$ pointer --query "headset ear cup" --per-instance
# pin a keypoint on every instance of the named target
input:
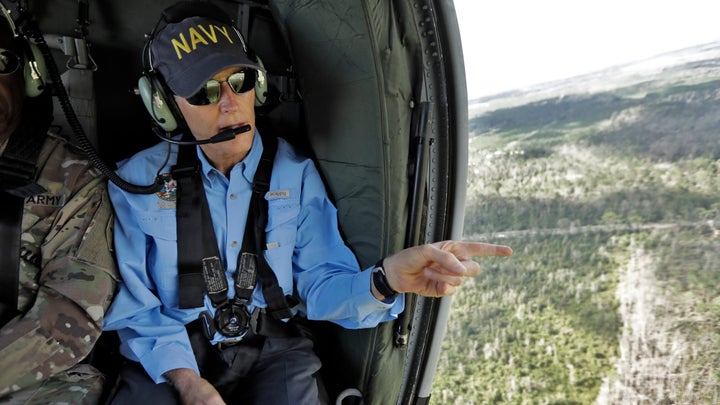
(261, 85)
(35, 70)
(156, 104)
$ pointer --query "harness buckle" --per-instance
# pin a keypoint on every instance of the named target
(224, 344)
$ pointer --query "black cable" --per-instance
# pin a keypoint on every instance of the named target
(32, 31)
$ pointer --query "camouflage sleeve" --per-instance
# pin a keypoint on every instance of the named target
(76, 285)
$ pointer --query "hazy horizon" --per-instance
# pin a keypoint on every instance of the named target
(651, 63)
(518, 43)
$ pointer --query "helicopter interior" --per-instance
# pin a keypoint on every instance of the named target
(372, 90)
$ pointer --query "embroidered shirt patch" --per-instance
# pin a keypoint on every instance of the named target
(168, 192)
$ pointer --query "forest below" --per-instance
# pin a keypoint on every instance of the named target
(611, 202)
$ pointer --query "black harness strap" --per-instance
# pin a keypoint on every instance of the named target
(197, 242)
(278, 306)
(10, 224)
(18, 161)
(193, 225)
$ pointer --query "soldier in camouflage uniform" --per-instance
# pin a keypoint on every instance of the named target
(67, 274)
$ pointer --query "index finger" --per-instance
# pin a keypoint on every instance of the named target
(479, 249)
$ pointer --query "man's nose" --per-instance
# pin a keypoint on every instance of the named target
(228, 101)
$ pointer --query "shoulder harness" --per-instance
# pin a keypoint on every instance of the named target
(200, 269)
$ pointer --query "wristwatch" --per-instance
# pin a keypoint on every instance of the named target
(379, 278)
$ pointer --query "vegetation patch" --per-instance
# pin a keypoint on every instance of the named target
(611, 202)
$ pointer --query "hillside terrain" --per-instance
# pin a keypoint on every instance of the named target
(607, 187)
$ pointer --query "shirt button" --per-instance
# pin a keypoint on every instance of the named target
(233, 196)
(234, 244)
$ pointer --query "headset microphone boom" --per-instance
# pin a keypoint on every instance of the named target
(221, 136)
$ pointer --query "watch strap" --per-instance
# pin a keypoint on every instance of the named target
(381, 282)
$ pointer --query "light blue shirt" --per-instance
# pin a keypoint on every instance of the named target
(304, 249)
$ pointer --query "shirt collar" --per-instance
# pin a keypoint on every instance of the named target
(246, 167)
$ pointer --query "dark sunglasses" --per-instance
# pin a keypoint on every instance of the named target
(239, 82)
(9, 61)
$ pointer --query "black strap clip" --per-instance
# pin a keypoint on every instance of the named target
(184, 171)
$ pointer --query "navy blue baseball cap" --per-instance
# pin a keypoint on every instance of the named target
(190, 52)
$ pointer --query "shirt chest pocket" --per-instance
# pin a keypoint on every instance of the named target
(281, 235)
(282, 221)
(159, 225)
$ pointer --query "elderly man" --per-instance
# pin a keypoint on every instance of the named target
(215, 267)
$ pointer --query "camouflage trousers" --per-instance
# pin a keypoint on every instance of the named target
(82, 384)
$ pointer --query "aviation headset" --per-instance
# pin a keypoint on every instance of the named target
(32, 60)
(156, 95)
